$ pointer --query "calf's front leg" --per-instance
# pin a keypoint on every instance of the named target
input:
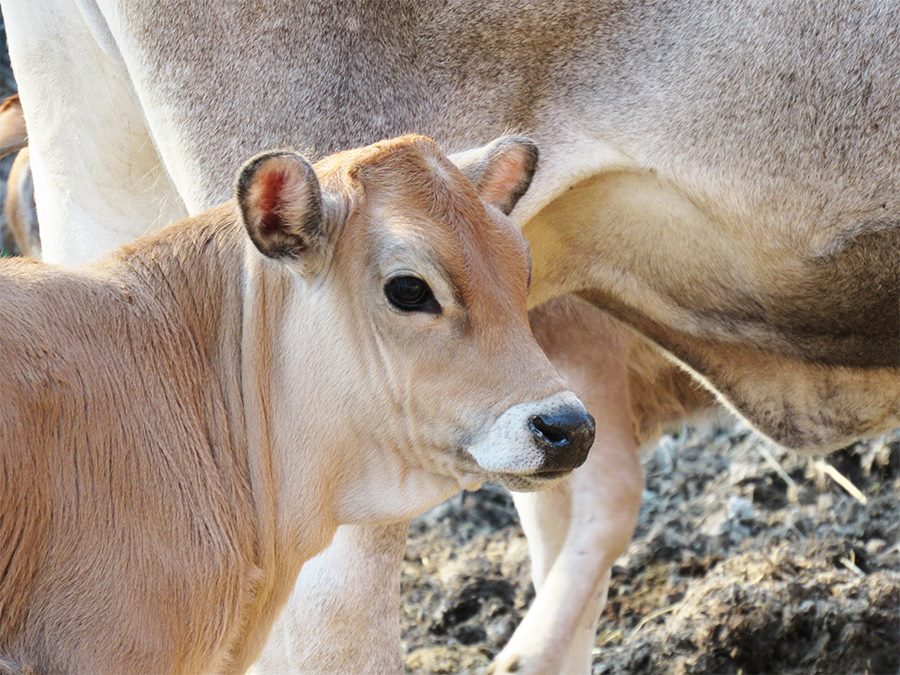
(344, 613)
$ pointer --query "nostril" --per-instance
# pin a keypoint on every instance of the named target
(555, 435)
(564, 436)
(589, 426)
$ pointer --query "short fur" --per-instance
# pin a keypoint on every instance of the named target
(715, 173)
(184, 423)
(732, 164)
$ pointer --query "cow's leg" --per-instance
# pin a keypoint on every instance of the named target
(98, 178)
(577, 530)
(344, 614)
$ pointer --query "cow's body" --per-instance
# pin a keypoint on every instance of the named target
(722, 177)
(185, 422)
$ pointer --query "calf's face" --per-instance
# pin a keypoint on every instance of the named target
(424, 280)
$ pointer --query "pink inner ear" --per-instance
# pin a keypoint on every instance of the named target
(503, 179)
(271, 184)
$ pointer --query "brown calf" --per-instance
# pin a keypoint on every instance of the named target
(187, 421)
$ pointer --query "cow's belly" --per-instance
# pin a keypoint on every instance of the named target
(806, 348)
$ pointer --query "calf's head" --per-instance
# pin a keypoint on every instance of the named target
(413, 285)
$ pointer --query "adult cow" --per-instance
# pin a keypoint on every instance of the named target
(722, 177)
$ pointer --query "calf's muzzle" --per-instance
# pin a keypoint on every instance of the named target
(564, 435)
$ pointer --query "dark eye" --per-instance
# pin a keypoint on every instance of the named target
(411, 294)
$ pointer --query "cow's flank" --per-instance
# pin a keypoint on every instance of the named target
(804, 342)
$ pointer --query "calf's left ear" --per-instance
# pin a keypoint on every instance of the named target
(281, 206)
(501, 170)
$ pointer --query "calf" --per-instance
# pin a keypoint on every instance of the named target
(187, 421)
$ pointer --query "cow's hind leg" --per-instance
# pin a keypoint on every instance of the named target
(98, 178)
(577, 529)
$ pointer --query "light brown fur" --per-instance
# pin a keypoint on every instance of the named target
(13, 134)
(125, 468)
(166, 460)
(731, 172)
(724, 165)
(660, 393)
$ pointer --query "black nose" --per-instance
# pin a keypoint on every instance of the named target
(565, 436)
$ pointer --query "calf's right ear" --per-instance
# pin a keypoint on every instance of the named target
(281, 206)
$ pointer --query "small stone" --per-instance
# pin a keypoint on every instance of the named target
(741, 509)
(875, 546)
(825, 501)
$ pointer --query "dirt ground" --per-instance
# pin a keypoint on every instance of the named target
(730, 571)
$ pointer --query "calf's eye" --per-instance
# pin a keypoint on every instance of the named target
(411, 294)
